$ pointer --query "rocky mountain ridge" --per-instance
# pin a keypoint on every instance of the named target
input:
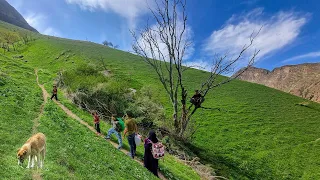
(301, 80)
(10, 15)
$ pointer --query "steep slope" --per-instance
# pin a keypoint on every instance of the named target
(260, 132)
(301, 80)
(69, 143)
(10, 15)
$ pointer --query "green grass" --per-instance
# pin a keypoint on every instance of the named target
(76, 153)
(170, 166)
(73, 152)
(260, 133)
(20, 101)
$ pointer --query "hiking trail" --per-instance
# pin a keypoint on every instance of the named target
(36, 172)
(45, 96)
(74, 116)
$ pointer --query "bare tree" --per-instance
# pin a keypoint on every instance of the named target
(164, 46)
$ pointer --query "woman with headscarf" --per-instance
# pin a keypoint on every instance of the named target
(149, 161)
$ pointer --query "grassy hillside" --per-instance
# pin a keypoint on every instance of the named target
(73, 151)
(260, 133)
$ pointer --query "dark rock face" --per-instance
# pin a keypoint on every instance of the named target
(10, 15)
(301, 80)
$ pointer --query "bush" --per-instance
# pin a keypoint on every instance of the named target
(147, 111)
(90, 90)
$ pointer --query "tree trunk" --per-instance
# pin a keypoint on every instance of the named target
(175, 117)
(185, 122)
(184, 111)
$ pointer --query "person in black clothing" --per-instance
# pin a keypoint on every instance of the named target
(197, 99)
(149, 162)
(54, 92)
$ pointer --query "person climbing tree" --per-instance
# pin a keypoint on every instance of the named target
(54, 92)
(197, 99)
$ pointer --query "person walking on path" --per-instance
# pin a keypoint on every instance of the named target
(131, 129)
(150, 162)
(96, 121)
(54, 92)
(117, 128)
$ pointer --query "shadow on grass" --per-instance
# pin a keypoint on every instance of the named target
(223, 166)
(309, 106)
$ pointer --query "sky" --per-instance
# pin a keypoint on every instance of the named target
(290, 29)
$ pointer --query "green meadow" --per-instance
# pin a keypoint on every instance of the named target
(260, 133)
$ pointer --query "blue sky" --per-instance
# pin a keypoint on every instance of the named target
(290, 33)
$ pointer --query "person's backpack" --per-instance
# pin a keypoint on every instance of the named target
(120, 125)
(157, 149)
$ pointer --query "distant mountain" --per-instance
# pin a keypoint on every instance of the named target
(10, 15)
(301, 80)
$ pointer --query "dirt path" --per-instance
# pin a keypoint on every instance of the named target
(74, 116)
(36, 173)
(45, 96)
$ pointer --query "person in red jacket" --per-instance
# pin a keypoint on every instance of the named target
(96, 120)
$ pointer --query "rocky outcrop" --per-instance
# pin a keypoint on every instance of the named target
(301, 80)
(10, 15)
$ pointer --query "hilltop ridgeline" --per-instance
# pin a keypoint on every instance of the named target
(301, 80)
(10, 15)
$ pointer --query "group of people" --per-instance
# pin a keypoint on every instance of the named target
(130, 130)
(153, 149)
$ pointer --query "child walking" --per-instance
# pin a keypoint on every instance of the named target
(96, 120)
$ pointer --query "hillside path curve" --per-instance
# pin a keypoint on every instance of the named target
(74, 116)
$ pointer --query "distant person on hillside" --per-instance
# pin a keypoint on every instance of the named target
(131, 129)
(197, 99)
(54, 92)
(149, 161)
(117, 127)
(96, 121)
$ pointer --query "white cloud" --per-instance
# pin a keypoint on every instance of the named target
(39, 22)
(278, 31)
(129, 9)
(35, 20)
(304, 56)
